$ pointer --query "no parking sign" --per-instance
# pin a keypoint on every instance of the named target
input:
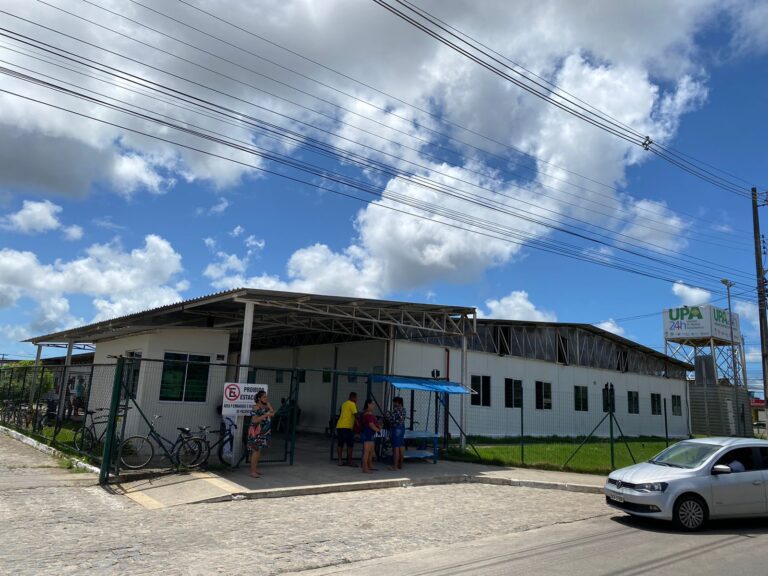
(239, 398)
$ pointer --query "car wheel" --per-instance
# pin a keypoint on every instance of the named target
(690, 513)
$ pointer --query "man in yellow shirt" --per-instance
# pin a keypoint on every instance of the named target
(344, 428)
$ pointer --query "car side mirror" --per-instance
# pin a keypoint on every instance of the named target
(721, 469)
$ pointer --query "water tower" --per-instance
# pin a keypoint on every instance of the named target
(706, 337)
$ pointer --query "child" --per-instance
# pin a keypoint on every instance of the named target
(370, 427)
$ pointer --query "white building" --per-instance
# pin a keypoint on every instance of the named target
(541, 379)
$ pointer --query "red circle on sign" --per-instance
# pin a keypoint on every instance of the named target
(232, 392)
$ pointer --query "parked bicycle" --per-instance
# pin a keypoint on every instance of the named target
(137, 452)
(223, 446)
(87, 436)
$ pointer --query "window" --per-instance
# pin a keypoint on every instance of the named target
(562, 350)
(740, 460)
(481, 390)
(326, 375)
(580, 399)
(302, 376)
(132, 367)
(633, 402)
(656, 404)
(278, 377)
(513, 393)
(543, 395)
(185, 377)
(677, 405)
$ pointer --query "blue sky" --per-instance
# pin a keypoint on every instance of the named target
(97, 221)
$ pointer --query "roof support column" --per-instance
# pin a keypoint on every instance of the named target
(245, 347)
(462, 406)
(64, 386)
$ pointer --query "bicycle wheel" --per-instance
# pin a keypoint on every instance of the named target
(225, 451)
(190, 452)
(136, 452)
(85, 440)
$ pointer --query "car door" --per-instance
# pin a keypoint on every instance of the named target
(740, 493)
(764, 465)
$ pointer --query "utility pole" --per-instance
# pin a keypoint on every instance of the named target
(760, 294)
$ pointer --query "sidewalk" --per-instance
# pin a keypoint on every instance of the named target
(313, 473)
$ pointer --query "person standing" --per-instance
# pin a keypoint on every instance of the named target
(396, 419)
(344, 428)
(260, 430)
(370, 428)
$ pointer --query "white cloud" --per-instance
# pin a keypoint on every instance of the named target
(73, 232)
(690, 296)
(219, 207)
(118, 281)
(610, 325)
(748, 312)
(665, 233)
(753, 354)
(33, 218)
(210, 243)
(515, 306)
(132, 172)
(253, 242)
(237, 231)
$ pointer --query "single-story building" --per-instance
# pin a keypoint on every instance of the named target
(534, 378)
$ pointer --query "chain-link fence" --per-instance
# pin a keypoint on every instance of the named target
(580, 430)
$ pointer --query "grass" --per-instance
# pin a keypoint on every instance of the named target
(594, 457)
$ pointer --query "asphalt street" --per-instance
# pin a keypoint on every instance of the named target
(602, 546)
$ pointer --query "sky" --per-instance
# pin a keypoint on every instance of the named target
(193, 146)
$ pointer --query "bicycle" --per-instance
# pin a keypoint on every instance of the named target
(86, 438)
(226, 440)
(136, 452)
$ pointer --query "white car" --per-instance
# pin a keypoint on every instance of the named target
(695, 480)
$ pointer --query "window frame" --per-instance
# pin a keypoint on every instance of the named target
(656, 404)
(483, 396)
(581, 398)
(192, 359)
(677, 408)
(630, 395)
(513, 393)
(543, 394)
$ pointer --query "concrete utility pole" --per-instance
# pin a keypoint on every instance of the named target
(760, 294)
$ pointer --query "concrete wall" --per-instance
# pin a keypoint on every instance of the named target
(562, 419)
(153, 346)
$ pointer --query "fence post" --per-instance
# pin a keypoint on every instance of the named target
(106, 460)
(611, 407)
(294, 415)
(666, 426)
(522, 426)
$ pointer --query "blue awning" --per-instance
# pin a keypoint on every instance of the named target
(425, 384)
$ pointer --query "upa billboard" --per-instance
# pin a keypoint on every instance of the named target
(696, 322)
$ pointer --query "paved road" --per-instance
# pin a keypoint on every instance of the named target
(605, 546)
(55, 522)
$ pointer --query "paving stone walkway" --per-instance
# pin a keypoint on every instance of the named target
(61, 523)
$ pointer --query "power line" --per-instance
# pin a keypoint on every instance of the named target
(326, 85)
(498, 234)
(484, 204)
(597, 119)
(246, 84)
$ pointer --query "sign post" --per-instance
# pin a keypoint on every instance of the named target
(237, 402)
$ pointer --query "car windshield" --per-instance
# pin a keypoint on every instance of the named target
(685, 455)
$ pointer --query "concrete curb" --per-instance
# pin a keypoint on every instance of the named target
(79, 464)
(400, 483)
